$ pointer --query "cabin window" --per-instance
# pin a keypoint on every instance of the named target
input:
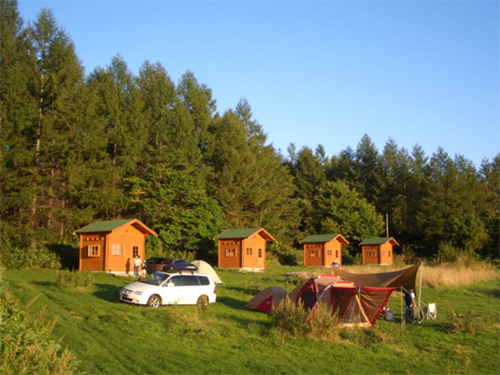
(93, 251)
(117, 249)
(336, 253)
(249, 251)
(230, 252)
(135, 251)
(260, 253)
(389, 253)
(314, 254)
(329, 253)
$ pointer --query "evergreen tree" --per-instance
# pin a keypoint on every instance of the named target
(309, 178)
(342, 210)
(119, 105)
(256, 136)
(447, 212)
(55, 73)
(367, 167)
(198, 100)
(249, 181)
(394, 178)
(171, 198)
(168, 121)
(489, 178)
(341, 168)
(16, 155)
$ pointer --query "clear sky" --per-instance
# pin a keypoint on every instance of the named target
(317, 72)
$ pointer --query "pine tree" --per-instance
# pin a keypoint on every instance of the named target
(198, 100)
(342, 210)
(55, 73)
(367, 168)
(16, 155)
(489, 208)
(119, 105)
(309, 178)
(341, 168)
(167, 120)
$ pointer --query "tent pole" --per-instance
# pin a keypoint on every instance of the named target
(420, 291)
(403, 313)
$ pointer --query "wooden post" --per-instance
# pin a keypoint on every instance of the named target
(387, 225)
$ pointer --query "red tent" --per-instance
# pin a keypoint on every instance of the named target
(265, 300)
(356, 306)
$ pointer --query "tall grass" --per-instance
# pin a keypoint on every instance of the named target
(26, 346)
(440, 276)
(74, 278)
(457, 275)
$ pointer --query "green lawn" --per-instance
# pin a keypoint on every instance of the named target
(115, 338)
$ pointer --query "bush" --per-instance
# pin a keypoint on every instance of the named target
(323, 324)
(470, 322)
(69, 255)
(447, 253)
(71, 278)
(26, 346)
(288, 318)
(18, 259)
(286, 255)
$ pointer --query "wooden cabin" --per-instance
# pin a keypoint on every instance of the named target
(378, 250)
(323, 249)
(243, 248)
(112, 245)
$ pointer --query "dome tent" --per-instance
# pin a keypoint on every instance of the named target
(205, 268)
(267, 299)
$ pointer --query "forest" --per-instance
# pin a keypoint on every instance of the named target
(80, 147)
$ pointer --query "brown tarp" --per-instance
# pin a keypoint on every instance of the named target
(395, 279)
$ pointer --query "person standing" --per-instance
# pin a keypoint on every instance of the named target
(410, 302)
(137, 265)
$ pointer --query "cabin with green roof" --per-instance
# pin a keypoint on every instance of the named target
(243, 248)
(323, 249)
(378, 250)
(112, 245)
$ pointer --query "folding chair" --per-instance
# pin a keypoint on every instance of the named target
(431, 311)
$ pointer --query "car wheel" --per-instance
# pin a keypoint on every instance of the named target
(202, 302)
(154, 301)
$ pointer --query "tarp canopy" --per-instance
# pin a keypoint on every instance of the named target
(267, 299)
(403, 278)
(205, 268)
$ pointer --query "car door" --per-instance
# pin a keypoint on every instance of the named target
(193, 289)
(173, 291)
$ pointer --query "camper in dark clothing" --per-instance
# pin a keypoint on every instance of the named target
(410, 302)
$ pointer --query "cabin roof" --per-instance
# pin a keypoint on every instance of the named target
(112, 225)
(324, 238)
(379, 241)
(245, 233)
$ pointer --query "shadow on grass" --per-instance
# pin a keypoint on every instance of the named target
(108, 292)
(43, 283)
(231, 302)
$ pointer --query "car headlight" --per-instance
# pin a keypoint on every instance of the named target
(138, 293)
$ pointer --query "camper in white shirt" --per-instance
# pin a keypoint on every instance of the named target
(137, 265)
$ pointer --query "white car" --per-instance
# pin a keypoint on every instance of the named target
(170, 289)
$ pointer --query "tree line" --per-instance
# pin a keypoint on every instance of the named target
(77, 148)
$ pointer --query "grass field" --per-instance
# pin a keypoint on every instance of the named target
(115, 338)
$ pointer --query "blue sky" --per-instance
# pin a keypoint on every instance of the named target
(325, 72)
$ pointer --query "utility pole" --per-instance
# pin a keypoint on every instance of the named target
(387, 225)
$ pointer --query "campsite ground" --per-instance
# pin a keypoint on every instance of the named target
(115, 338)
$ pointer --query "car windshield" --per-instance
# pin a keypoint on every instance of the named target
(156, 279)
